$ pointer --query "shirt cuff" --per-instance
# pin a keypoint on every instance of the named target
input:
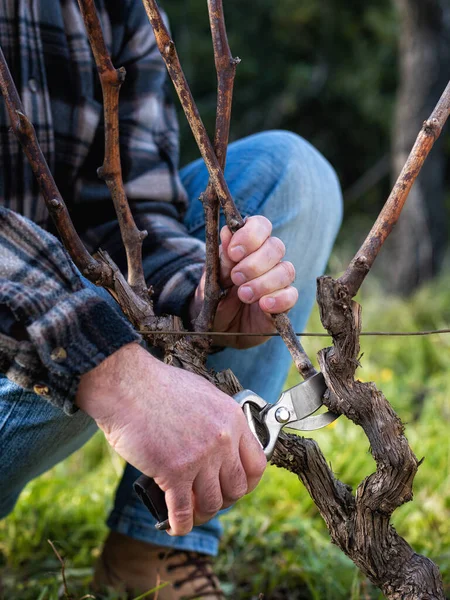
(178, 291)
(72, 338)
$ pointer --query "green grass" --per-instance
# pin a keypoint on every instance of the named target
(275, 541)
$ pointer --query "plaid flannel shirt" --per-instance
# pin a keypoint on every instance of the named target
(69, 327)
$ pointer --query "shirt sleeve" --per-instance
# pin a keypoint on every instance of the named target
(66, 327)
(173, 260)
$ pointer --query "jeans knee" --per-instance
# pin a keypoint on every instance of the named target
(309, 182)
(7, 504)
(305, 162)
(279, 147)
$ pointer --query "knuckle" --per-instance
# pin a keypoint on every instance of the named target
(259, 466)
(260, 227)
(287, 298)
(259, 221)
(255, 473)
(258, 463)
(289, 270)
(238, 483)
(112, 436)
(236, 412)
(264, 222)
(254, 481)
(224, 437)
(181, 465)
(211, 503)
(278, 246)
(237, 492)
(213, 509)
(182, 516)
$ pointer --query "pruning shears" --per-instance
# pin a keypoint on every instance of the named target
(294, 410)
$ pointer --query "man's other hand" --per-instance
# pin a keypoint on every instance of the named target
(176, 427)
(257, 282)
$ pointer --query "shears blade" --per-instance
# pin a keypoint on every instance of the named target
(305, 398)
(314, 422)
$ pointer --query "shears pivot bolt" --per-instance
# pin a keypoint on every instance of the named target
(282, 415)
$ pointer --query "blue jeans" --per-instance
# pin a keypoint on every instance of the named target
(275, 174)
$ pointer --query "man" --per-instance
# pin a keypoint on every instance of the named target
(64, 344)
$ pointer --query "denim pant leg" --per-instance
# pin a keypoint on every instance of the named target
(34, 436)
(281, 176)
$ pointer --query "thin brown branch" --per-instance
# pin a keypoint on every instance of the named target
(137, 309)
(301, 359)
(26, 134)
(158, 583)
(213, 291)
(170, 57)
(366, 255)
(226, 70)
(63, 570)
(111, 171)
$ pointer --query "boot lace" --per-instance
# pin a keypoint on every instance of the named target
(200, 572)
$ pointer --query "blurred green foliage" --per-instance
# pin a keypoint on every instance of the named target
(326, 70)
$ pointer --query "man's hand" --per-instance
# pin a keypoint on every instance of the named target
(257, 281)
(177, 428)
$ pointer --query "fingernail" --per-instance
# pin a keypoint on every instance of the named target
(236, 253)
(238, 278)
(246, 293)
(269, 303)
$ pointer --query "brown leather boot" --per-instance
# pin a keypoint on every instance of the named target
(134, 567)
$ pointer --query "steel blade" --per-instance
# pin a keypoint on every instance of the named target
(311, 423)
(306, 397)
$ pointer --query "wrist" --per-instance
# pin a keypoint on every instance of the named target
(107, 388)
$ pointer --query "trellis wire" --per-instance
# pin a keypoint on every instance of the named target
(302, 334)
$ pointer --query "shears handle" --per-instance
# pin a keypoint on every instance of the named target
(248, 399)
(154, 499)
